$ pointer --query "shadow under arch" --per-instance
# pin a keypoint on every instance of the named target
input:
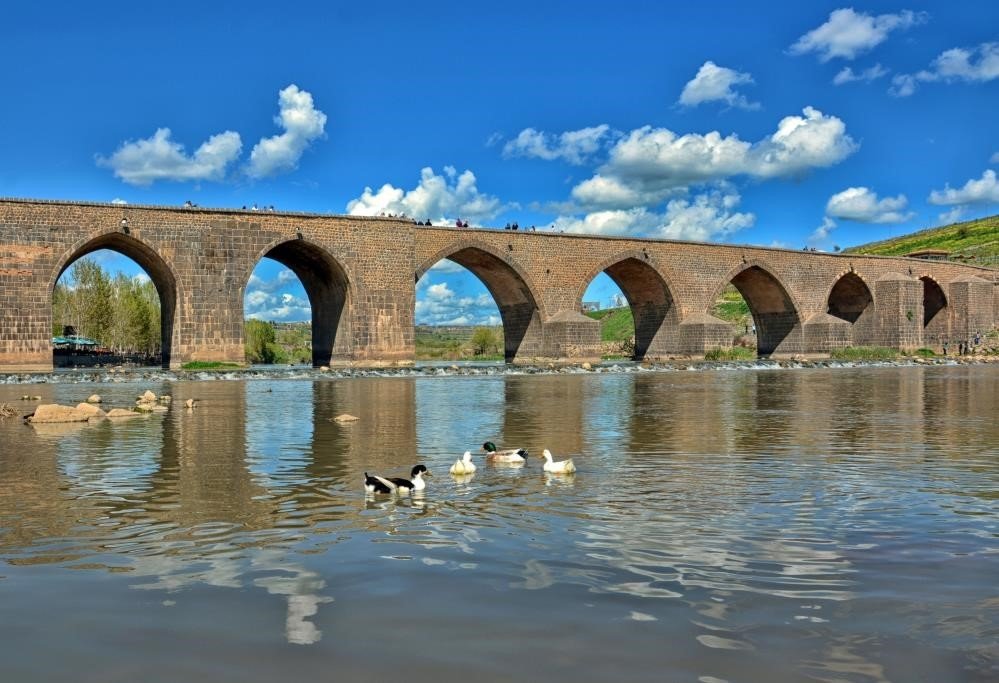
(328, 287)
(935, 321)
(850, 299)
(511, 289)
(649, 296)
(775, 315)
(159, 270)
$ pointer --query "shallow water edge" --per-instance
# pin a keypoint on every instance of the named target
(462, 369)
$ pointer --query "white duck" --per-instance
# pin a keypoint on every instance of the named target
(560, 467)
(464, 465)
(376, 484)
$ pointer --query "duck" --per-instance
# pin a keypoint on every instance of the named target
(464, 465)
(508, 455)
(559, 467)
(376, 484)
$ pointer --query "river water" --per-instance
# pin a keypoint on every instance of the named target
(740, 526)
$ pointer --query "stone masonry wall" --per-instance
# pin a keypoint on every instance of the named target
(360, 274)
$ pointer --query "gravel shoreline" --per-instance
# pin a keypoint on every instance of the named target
(137, 375)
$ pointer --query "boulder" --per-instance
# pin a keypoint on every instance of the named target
(148, 397)
(189, 403)
(51, 412)
(122, 412)
(94, 398)
(345, 418)
(91, 411)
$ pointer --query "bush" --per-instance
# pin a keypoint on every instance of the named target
(924, 353)
(864, 353)
(734, 353)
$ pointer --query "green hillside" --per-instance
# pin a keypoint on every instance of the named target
(975, 242)
(616, 324)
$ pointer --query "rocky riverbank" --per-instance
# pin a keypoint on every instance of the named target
(128, 375)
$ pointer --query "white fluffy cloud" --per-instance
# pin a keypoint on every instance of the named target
(649, 164)
(862, 205)
(715, 83)
(821, 233)
(951, 215)
(302, 124)
(143, 162)
(977, 65)
(707, 216)
(438, 197)
(847, 33)
(440, 305)
(574, 146)
(994, 159)
(848, 75)
(284, 307)
(984, 190)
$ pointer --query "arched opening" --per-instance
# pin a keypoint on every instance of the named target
(849, 298)
(773, 311)
(644, 311)
(284, 326)
(519, 313)
(935, 327)
(113, 301)
(456, 316)
(731, 307)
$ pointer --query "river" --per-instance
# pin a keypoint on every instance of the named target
(723, 526)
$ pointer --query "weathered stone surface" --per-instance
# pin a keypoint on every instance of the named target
(91, 411)
(122, 412)
(147, 397)
(345, 417)
(360, 275)
(94, 398)
(51, 412)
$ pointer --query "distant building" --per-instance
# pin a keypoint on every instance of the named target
(930, 254)
(591, 306)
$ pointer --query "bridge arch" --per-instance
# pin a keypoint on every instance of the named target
(649, 292)
(513, 290)
(850, 298)
(774, 310)
(327, 284)
(160, 272)
(936, 328)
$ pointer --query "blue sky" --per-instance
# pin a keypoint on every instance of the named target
(818, 123)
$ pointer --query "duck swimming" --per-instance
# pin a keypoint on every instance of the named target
(464, 465)
(508, 455)
(560, 467)
(376, 484)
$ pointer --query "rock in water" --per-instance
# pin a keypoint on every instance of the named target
(52, 412)
(345, 418)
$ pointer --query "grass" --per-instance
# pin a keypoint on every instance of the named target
(977, 241)
(924, 353)
(210, 365)
(864, 353)
(448, 346)
(734, 353)
(616, 324)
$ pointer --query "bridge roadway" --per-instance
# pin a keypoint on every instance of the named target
(360, 275)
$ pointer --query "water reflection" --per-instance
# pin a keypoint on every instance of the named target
(778, 525)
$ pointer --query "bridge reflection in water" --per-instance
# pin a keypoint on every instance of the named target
(777, 523)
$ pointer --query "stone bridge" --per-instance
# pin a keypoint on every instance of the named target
(360, 275)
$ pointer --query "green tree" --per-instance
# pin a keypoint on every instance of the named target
(484, 341)
(260, 341)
